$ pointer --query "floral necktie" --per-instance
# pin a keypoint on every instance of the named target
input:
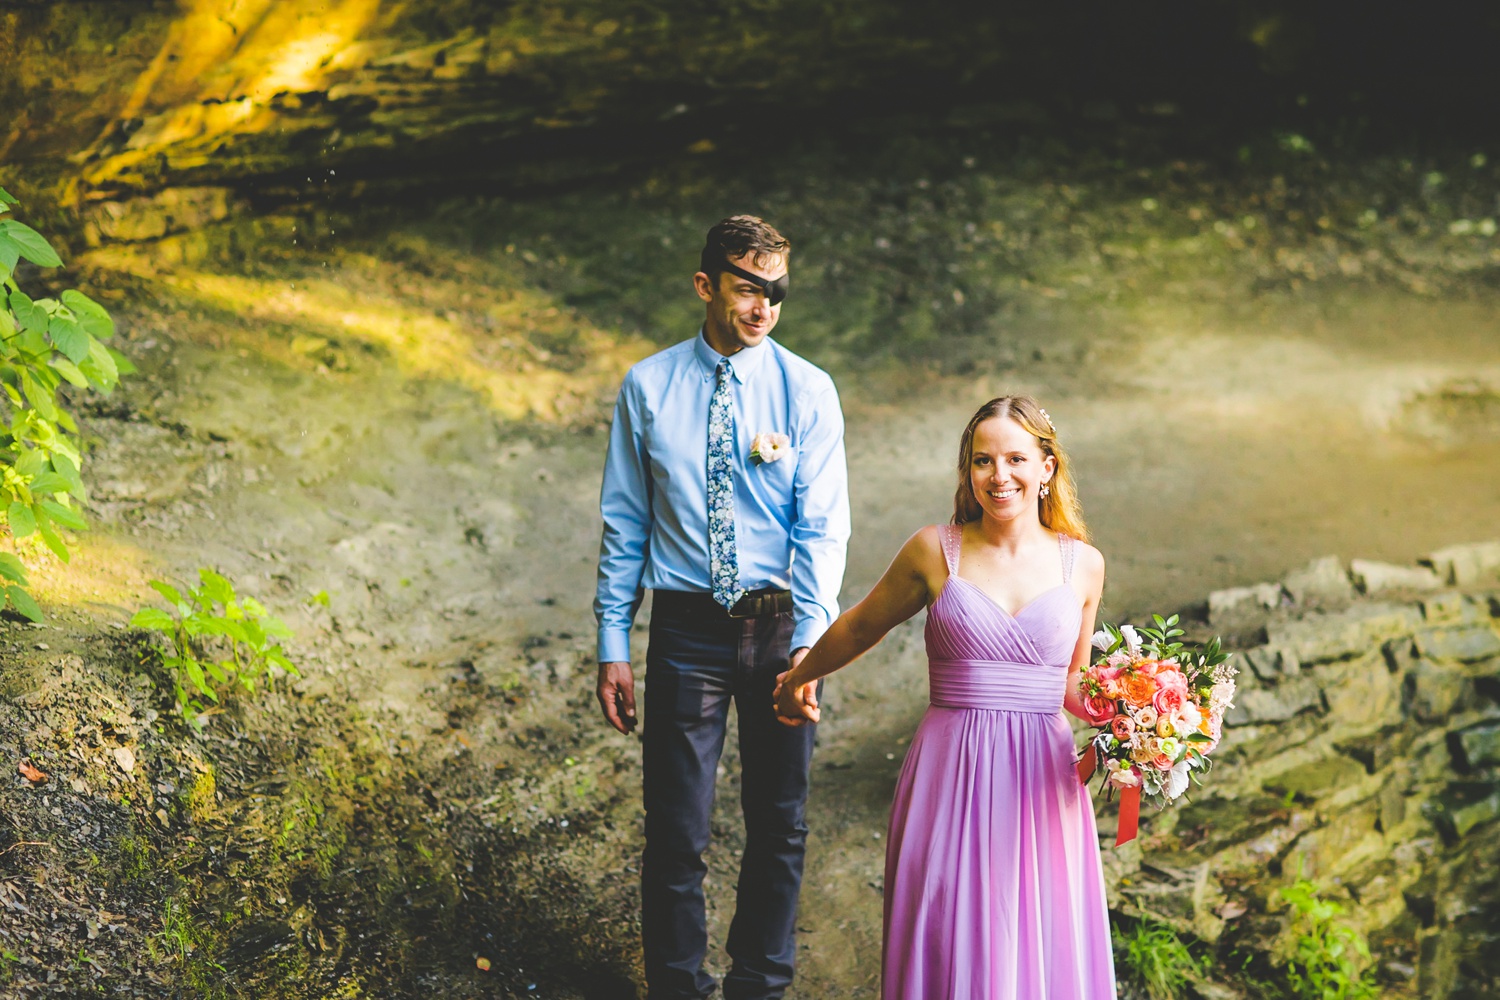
(723, 563)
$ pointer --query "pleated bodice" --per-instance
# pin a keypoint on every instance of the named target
(981, 656)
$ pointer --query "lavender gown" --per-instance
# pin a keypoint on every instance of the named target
(993, 884)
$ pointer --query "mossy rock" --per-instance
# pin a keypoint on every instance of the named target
(1318, 779)
(1463, 805)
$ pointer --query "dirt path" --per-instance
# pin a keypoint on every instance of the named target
(1213, 450)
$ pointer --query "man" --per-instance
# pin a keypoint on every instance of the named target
(725, 494)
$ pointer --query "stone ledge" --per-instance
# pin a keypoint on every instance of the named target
(1237, 603)
(1476, 747)
(1339, 635)
(1320, 583)
(1376, 579)
(1258, 705)
(1465, 643)
(1463, 805)
(1465, 565)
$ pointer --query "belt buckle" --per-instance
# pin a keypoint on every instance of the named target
(745, 601)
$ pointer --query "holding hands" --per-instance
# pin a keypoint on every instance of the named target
(796, 704)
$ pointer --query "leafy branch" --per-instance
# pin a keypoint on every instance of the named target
(1331, 959)
(43, 343)
(202, 622)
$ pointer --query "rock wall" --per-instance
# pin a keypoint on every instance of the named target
(1362, 753)
(288, 97)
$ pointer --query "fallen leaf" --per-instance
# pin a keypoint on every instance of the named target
(1231, 909)
(31, 773)
(483, 964)
(125, 758)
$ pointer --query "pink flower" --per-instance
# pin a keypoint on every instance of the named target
(1162, 762)
(1172, 679)
(1123, 727)
(1098, 709)
(1168, 700)
(1107, 672)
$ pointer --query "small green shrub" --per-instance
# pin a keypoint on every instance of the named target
(43, 343)
(207, 618)
(1331, 959)
(1157, 958)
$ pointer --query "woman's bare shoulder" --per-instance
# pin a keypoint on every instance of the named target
(925, 547)
(1088, 561)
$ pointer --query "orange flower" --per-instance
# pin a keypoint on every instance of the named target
(1139, 688)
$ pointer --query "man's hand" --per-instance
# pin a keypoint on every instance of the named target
(796, 705)
(616, 693)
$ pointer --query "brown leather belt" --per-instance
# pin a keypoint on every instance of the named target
(754, 604)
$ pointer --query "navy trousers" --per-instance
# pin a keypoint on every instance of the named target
(698, 660)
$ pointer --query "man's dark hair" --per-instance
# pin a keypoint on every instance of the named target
(737, 236)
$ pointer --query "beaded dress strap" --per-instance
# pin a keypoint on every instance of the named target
(951, 537)
(1066, 541)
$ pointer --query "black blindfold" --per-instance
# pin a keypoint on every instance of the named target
(775, 288)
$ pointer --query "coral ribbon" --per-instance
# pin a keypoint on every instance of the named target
(1086, 765)
(1130, 814)
(1130, 798)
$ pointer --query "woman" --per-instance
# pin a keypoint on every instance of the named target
(993, 884)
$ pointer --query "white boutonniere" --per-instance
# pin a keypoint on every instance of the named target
(768, 446)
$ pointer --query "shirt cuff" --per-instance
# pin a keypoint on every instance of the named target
(614, 646)
(807, 632)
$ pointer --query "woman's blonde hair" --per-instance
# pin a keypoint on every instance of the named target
(1059, 510)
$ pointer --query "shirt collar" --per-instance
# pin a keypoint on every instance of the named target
(745, 362)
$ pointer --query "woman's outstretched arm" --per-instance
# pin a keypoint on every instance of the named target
(1090, 573)
(904, 590)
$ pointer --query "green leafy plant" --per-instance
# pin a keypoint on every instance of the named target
(1157, 958)
(43, 343)
(1330, 960)
(205, 620)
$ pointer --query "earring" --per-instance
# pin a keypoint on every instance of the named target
(1046, 491)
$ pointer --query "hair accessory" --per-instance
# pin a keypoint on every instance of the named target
(1050, 425)
(1046, 491)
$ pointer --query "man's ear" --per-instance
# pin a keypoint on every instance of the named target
(703, 286)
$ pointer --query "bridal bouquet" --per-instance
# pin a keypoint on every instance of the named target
(1159, 709)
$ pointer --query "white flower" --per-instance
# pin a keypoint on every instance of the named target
(1102, 640)
(1221, 698)
(1132, 639)
(1187, 720)
(1177, 780)
(768, 446)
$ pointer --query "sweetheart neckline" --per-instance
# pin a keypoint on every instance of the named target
(1012, 615)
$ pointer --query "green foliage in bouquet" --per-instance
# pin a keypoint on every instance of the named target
(43, 343)
(205, 619)
(1160, 643)
(1331, 959)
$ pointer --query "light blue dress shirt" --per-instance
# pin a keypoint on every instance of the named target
(791, 516)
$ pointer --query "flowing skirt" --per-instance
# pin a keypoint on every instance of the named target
(994, 889)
